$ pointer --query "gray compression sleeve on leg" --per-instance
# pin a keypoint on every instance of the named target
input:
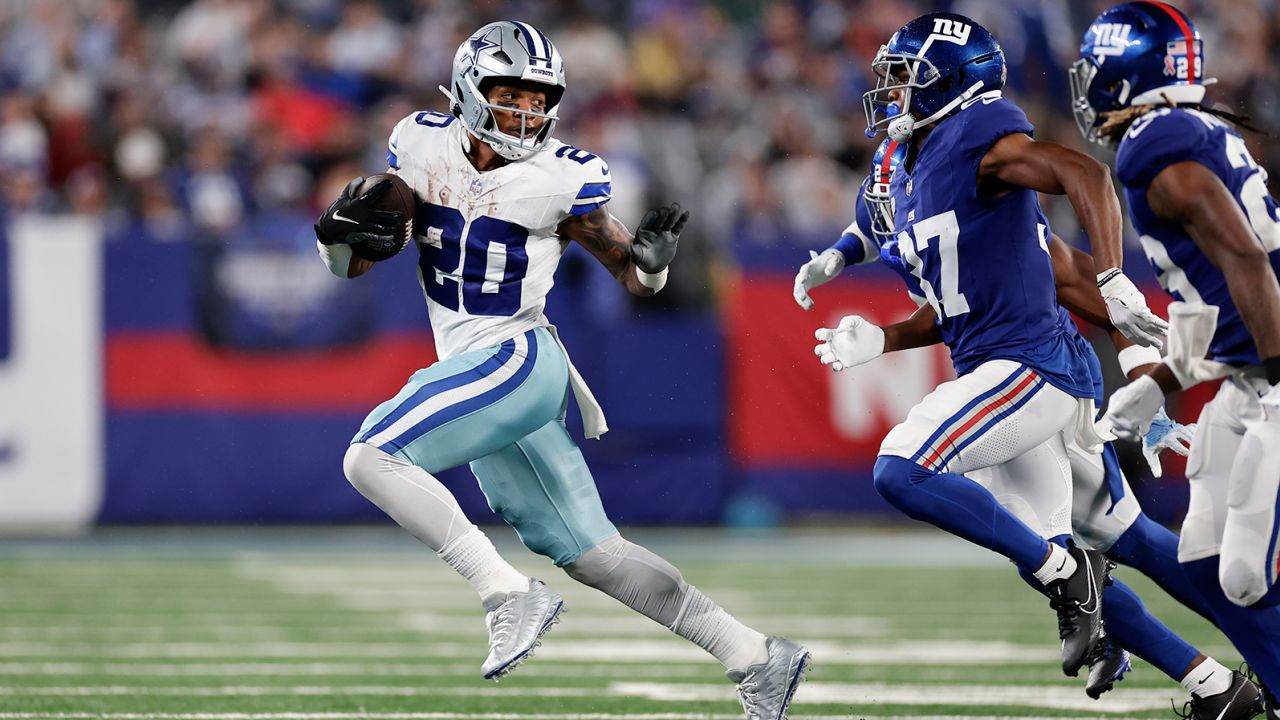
(633, 576)
(416, 500)
(413, 497)
(654, 588)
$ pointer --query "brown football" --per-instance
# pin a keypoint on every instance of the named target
(398, 198)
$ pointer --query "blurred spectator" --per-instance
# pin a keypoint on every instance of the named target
(207, 114)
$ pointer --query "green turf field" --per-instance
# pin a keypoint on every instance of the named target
(321, 624)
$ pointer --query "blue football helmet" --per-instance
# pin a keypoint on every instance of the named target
(875, 193)
(937, 61)
(1138, 53)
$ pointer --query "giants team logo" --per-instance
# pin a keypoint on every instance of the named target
(1175, 59)
(950, 30)
(1110, 39)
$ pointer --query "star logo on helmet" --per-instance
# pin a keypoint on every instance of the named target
(480, 43)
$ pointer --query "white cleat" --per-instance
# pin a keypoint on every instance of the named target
(765, 690)
(517, 626)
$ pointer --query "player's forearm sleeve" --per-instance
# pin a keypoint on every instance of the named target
(855, 246)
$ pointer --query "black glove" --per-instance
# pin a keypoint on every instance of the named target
(657, 236)
(352, 220)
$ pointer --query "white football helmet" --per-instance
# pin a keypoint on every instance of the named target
(506, 50)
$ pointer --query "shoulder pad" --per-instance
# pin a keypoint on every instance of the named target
(414, 122)
(1161, 138)
(586, 175)
(986, 119)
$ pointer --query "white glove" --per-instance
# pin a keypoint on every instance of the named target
(1165, 433)
(820, 269)
(1131, 409)
(853, 342)
(1128, 309)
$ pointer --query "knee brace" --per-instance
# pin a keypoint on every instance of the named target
(634, 576)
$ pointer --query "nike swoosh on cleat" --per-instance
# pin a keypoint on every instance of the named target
(1092, 599)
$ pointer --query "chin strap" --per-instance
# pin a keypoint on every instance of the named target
(901, 128)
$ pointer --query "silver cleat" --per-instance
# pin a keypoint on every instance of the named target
(517, 626)
(766, 689)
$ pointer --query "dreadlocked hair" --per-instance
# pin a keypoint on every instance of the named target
(1243, 121)
(1116, 122)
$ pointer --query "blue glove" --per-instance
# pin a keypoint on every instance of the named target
(1165, 433)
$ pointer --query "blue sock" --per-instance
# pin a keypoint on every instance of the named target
(1152, 549)
(1254, 631)
(1133, 628)
(960, 506)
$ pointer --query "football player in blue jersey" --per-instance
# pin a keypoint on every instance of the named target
(498, 199)
(1104, 513)
(1211, 231)
(968, 229)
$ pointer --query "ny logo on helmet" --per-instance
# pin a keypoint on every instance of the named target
(950, 30)
(1110, 39)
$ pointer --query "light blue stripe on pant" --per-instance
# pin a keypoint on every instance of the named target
(502, 410)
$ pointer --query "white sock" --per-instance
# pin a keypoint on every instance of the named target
(1059, 566)
(707, 625)
(1207, 678)
(475, 558)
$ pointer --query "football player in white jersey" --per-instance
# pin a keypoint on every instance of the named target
(498, 200)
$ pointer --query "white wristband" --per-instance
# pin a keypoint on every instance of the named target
(653, 281)
(1137, 356)
(336, 257)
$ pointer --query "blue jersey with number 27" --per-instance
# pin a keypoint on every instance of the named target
(1168, 136)
(982, 260)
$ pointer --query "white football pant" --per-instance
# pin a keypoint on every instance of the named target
(1234, 470)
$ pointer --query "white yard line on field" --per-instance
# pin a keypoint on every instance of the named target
(1057, 698)
(384, 716)
(543, 668)
(668, 649)
(482, 716)
(478, 716)
(622, 624)
(296, 690)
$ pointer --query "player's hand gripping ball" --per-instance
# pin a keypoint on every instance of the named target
(373, 215)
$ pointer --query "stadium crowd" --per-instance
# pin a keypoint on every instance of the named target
(168, 116)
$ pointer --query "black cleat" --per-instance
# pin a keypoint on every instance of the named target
(1107, 665)
(1268, 698)
(1078, 601)
(1241, 701)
